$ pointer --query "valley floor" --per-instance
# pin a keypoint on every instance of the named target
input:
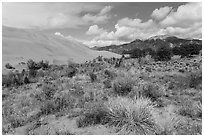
(154, 98)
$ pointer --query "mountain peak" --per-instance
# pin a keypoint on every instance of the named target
(162, 37)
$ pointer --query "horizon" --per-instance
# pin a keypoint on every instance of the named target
(106, 23)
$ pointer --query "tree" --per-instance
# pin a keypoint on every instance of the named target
(136, 53)
(164, 54)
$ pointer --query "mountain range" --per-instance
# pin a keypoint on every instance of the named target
(154, 43)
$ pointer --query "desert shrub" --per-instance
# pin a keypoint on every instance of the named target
(64, 100)
(94, 113)
(195, 79)
(131, 116)
(31, 64)
(168, 125)
(146, 60)
(8, 80)
(190, 108)
(122, 85)
(189, 127)
(12, 79)
(93, 77)
(9, 66)
(107, 83)
(72, 70)
(110, 74)
(60, 101)
(48, 90)
(48, 107)
(186, 80)
(44, 65)
(152, 91)
(32, 73)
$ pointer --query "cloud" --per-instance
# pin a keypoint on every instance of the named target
(101, 17)
(44, 15)
(102, 43)
(105, 10)
(161, 13)
(184, 22)
(59, 34)
(95, 30)
(185, 16)
(136, 23)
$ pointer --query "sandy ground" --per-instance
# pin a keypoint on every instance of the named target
(19, 45)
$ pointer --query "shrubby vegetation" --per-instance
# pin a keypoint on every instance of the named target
(137, 97)
(165, 53)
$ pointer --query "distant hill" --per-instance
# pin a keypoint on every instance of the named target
(154, 43)
(19, 45)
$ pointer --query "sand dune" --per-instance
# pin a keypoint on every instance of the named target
(19, 45)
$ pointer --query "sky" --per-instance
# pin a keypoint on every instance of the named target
(102, 23)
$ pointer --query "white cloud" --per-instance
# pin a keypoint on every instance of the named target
(95, 30)
(185, 22)
(59, 34)
(185, 16)
(101, 17)
(102, 43)
(105, 10)
(136, 23)
(161, 13)
(46, 15)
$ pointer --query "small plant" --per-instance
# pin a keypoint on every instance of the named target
(122, 85)
(107, 83)
(152, 91)
(72, 70)
(190, 108)
(49, 90)
(94, 113)
(110, 74)
(93, 77)
(195, 79)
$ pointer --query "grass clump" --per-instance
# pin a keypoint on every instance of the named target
(131, 116)
(190, 108)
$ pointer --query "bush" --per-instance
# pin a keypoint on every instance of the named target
(9, 66)
(93, 77)
(32, 73)
(131, 116)
(195, 79)
(107, 83)
(31, 64)
(190, 108)
(72, 70)
(60, 101)
(49, 90)
(122, 85)
(163, 54)
(110, 74)
(94, 113)
(152, 91)
(12, 79)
